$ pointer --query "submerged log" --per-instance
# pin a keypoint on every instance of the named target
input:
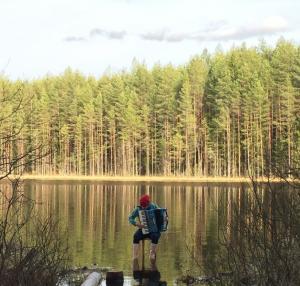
(92, 280)
(114, 278)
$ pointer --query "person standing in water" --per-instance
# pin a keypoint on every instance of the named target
(145, 204)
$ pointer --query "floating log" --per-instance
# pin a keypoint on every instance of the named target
(114, 278)
(149, 274)
(92, 280)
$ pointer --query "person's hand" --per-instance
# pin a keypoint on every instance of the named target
(139, 225)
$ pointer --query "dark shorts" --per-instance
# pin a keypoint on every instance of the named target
(138, 236)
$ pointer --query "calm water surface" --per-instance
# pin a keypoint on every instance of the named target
(96, 216)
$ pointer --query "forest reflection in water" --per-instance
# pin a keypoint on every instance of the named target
(96, 215)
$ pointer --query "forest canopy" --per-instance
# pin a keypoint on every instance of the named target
(228, 114)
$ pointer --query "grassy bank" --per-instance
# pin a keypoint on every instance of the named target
(166, 179)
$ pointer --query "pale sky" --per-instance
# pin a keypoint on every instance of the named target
(40, 37)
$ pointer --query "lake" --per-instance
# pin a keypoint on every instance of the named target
(96, 215)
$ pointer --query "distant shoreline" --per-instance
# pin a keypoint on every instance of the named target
(162, 179)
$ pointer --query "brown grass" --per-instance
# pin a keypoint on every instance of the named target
(167, 179)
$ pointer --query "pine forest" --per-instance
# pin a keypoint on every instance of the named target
(223, 114)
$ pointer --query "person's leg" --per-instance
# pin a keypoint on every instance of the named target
(138, 236)
(153, 247)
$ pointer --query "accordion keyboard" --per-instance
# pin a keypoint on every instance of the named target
(143, 220)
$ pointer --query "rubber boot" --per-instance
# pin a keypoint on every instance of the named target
(152, 255)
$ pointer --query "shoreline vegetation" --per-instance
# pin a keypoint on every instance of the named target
(160, 179)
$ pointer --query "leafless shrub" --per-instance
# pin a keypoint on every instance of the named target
(258, 234)
(260, 243)
(33, 250)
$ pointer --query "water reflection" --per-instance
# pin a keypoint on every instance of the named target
(99, 233)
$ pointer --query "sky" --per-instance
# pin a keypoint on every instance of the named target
(44, 37)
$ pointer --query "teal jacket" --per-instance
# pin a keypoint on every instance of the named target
(135, 213)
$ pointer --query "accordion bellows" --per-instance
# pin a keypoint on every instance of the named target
(155, 220)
